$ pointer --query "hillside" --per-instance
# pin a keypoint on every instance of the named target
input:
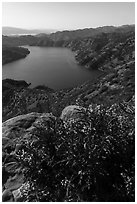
(113, 53)
(18, 40)
(62, 36)
(10, 54)
(89, 32)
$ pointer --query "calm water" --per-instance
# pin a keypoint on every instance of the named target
(53, 67)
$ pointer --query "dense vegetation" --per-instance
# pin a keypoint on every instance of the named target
(88, 159)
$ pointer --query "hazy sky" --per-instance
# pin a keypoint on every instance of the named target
(66, 15)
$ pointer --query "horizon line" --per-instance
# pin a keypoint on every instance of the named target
(65, 29)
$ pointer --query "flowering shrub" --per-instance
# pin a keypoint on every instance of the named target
(89, 159)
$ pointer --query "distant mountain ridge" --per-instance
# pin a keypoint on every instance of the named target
(19, 31)
(59, 37)
(89, 32)
(67, 34)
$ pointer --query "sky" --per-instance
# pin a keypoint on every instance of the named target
(67, 15)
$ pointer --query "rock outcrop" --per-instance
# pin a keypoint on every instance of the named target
(16, 131)
(73, 112)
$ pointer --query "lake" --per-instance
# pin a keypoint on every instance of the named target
(53, 67)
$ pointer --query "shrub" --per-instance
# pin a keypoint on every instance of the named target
(82, 160)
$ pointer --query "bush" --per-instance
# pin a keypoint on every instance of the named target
(82, 160)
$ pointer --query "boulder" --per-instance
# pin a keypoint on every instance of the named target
(15, 132)
(17, 195)
(7, 196)
(73, 112)
(14, 182)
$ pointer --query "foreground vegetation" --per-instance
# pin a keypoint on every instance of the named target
(88, 159)
(85, 155)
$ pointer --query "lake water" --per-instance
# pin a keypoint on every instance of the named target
(53, 67)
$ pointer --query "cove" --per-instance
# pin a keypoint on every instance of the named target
(52, 67)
